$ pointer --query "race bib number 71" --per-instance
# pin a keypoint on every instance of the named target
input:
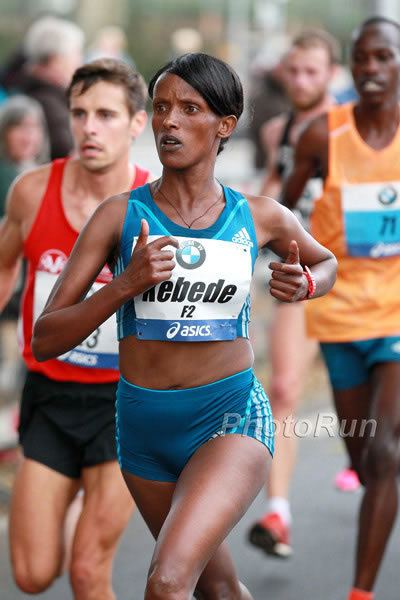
(371, 213)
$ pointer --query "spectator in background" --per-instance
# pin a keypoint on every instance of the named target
(185, 40)
(23, 140)
(53, 49)
(110, 42)
(23, 144)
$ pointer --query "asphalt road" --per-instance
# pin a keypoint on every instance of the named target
(323, 536)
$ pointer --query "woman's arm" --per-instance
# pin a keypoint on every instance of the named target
(279, 229)
(69, 317)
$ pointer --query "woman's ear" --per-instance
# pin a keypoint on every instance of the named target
(227, 126)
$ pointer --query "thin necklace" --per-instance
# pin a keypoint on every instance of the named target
(189, 225)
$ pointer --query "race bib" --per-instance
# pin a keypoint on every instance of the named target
(100, 349)
(203, 298)
(371, 214)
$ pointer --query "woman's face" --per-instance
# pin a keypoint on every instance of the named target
(186, 130)
(24, 141)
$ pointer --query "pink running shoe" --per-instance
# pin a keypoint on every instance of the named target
(347, 481)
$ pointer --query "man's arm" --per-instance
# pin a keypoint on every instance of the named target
(311, 152)
(21, 207)
(271, 133)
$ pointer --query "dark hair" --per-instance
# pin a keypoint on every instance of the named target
(371, 21)
(212, 78)
(112, 71)
(318, 38)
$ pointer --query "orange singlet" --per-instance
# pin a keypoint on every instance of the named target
(358, 219)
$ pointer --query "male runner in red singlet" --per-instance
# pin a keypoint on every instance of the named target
(67, 413)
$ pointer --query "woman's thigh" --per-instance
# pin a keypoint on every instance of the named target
(191, 519)
(213, 492)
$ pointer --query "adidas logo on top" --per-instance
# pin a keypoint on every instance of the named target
(242, 237)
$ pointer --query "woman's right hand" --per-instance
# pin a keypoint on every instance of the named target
(150, 264)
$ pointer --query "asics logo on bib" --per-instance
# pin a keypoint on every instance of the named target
(384, 250)
(388, 195)
(188, 330)
(80, 358)
(196, 291)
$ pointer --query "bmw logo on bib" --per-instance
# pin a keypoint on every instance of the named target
(388, 195)
(191, 255)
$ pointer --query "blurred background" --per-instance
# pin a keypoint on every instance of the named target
(239, 31)
(252, 35)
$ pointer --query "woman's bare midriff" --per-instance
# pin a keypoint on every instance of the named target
(178, 365)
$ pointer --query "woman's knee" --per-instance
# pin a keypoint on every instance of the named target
(166, 582)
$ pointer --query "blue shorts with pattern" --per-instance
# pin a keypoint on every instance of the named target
(159, 430)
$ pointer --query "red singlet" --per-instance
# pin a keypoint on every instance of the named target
(46, 250)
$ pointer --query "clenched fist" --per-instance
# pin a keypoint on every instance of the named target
(150, 264)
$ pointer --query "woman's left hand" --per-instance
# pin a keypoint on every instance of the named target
(288, 282)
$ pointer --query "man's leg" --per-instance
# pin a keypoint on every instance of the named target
(380, 470)
(349, 376)
(70, 523)
(291, 355)
(106, 511)
(39, 503)
(354, 405)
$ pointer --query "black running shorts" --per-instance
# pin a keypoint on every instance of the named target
(66, 425)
